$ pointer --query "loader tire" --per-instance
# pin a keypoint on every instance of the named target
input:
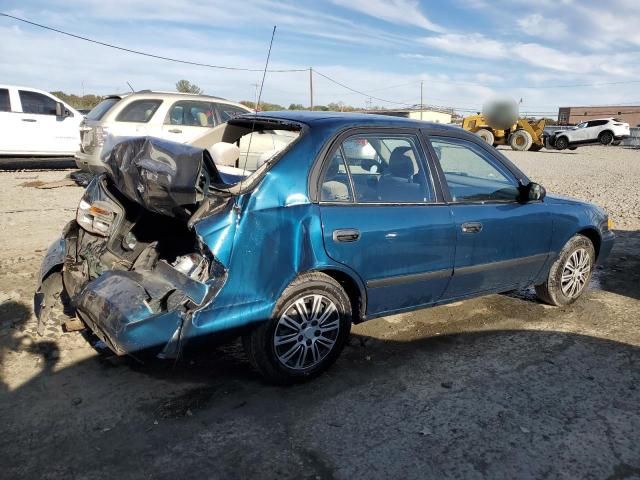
(486, 135)
(535, 147)
(520, 140)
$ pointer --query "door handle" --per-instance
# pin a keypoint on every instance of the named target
(175, 130)
(471, 227)
(346, 235)
(29, 120)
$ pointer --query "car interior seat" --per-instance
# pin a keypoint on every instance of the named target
(397, 184)
(333, 190)
(202, 119)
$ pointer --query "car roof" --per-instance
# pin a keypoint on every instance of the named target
(337, 119)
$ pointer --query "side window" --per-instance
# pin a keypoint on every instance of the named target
(5, 105)
(190, 113)
(227, 112)
(335, 183)
(139, 111)
(386, 168)
(33, 102)
(472, 174)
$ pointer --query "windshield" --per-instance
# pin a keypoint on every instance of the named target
(103, 107)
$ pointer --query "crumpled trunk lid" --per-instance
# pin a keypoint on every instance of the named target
(164, 177)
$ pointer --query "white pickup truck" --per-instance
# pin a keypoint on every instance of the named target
(34, 122)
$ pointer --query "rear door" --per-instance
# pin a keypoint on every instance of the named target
(501, 243)
(383, 217)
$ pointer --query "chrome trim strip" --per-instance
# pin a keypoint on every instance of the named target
(412, 277)
(500, 264)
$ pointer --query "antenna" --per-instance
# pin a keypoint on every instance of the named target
(255, 117)
(131, 87)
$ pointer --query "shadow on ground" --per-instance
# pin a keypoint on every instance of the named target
(621, 273)
(484, 389)
(492, 404)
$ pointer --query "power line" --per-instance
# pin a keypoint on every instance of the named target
(360, 92)
(138, 52)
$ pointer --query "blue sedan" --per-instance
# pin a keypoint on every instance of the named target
(287, 227)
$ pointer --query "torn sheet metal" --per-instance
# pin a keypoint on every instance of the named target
(162, 176)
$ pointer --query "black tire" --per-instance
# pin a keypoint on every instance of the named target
(259, 343)
(605, 138)
(520, 140)
(535, 147)
(562, 143)
(486, 135)
(552, 291)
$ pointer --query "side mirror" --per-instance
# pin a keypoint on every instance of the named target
(532, 192)
(62, 111)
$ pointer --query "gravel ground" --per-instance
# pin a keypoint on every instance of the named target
(496, 387)
(606, 176)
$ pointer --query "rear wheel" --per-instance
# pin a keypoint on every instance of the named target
(306, 332)
(570, 274)
(486, 135)
(605, 138)
(562, 143)
(520, 140)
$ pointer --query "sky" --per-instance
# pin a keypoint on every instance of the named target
(465, 52)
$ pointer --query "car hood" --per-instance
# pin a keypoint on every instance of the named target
(564, 200)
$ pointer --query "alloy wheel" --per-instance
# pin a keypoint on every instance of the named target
(306, 332)
(575, 273)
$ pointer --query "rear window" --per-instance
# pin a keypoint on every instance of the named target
(139, 111)
(103, 107)
(5, 106)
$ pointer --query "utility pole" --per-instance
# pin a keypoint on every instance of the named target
(421, 106)
(255, 104)
(311, 86)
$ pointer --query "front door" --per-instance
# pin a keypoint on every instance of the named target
(381, 217)
(188, 119)
(500, 243)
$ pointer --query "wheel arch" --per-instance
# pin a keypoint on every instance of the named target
(592, 234)
(354, 289)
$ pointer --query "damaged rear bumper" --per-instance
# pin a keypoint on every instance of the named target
(140, 310)
(130, 310)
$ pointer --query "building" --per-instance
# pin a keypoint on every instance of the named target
(575, 115)
(430, 114)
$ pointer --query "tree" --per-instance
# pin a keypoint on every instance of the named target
(297, 106)
(76, 101)
(184, 86)
(264, 106)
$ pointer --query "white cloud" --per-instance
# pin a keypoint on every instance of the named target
(402, 12)
(472, 45)
(539, 26)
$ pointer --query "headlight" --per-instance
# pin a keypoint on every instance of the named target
(96, 217)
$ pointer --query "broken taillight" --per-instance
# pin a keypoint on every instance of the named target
(95, 217)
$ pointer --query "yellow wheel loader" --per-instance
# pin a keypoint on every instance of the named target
(522, 135)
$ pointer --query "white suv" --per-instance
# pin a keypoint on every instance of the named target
(173, 116)
(34, 122)
(606, 131)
